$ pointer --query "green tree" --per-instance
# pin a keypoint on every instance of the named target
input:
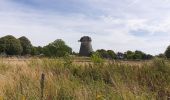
(142, 55)
(103, 53)
(10, 45)
(111, 54)
(37, 50)
(139, 55)
(58, 48)
(129, 54)
(167, 52)
(26, 45)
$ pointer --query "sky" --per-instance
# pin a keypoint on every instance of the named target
(119, 25)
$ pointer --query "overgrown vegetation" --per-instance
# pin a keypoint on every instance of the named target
(69, 80)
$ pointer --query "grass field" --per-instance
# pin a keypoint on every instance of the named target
(68, 79)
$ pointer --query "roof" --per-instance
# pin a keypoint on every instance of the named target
(85, 39)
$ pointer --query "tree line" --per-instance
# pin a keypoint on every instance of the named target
(10, 46)
(129, 55)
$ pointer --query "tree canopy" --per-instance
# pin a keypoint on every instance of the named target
(26, 45)
(10, 45)
(137, 55)
(109, 54)
(58, 48)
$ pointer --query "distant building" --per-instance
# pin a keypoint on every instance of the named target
(86, 47)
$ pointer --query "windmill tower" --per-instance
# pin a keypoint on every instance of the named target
(86, 47)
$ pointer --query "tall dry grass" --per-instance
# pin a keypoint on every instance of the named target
(65, 80)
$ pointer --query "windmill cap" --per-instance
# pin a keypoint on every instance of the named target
(85, 38)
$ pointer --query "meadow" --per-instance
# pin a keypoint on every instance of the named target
(69, 79)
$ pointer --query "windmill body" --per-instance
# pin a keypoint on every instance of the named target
(86, 47)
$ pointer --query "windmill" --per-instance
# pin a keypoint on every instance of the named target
(86, 47)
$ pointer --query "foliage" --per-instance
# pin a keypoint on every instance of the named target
(112, 54)
(58, 48)
(161, 56)
(26, 45)
(36, 50)
(10, 45)
(139, 55)
(129, 55)
(103, 53)
(108, 54)
(167, 52)
(96, 58)
(68, 60)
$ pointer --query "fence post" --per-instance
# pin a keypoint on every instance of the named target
(42, 85)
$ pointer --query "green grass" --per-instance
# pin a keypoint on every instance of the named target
(65, 80)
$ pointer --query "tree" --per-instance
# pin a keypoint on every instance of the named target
(26, 45)
(139, 55)
(111, 54)
(129, 54)
(103, 53)
(10, 45)
(167, 52)
(39, 50)
(58, 48)
(161, 55)
(34, 51)
(148, 56)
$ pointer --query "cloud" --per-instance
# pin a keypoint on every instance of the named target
(113, 24)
